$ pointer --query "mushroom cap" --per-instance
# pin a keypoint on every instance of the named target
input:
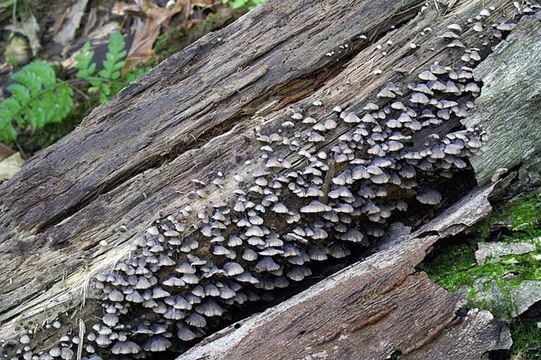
(298, 273)
(196, 320)
(232, 269)
(428, 196)
(185, 268)
(338, 251)
(157, 343)
(174, 314)
(267, 264)
(209, 308)
(280, 208)
(159, 293)
(178, 302)
(125, 348)
(371, 107)
(184, 333)
(247, 277)
(315, 206)
(109, 320)
(419, 98)
(315, 253)
(353, 235)
(249, 255)
(427, 76)
(455, 27)
(115, 296)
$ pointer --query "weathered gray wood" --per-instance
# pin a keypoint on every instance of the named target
(509, 109)
(370, 310)
(74, 209)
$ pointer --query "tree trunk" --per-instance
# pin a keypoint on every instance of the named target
(77, 208)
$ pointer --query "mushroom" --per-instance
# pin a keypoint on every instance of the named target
(419, 98)
(427, 76)
(428, 196)
(157, 343)
(315, 253)
(232, 269)
(351, 118)
(109, 320)
(353, 235)
(196, 320)
(178, 302)
(249, 255)
(125, 348)
(455, 27)
(371, 107)
(315, 206)
(209, 308)
(266, 264)
(184, 333)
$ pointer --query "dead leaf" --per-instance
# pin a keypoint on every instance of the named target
(203, 3)
(153, 18)
(5, 151)
(122, 9)
(28, 27)
(73, 21)
(10, 165)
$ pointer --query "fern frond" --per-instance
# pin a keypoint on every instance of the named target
(37, 98)
(114, 60)
(85, 66)
(8, 110)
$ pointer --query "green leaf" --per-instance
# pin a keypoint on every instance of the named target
(37, 98)
(115, 57)
(29, 80)
(235, 4)
(238, 3)
(21, 93)
(85, 66)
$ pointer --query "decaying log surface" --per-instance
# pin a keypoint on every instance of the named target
(515, 132)
(371, 309)
(76, 207)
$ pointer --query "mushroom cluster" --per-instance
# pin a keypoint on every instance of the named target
(325, 184)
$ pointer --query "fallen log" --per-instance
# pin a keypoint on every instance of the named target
(78, 208)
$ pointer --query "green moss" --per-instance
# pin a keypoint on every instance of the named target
(454, 267)
(451, 268)
(526, 339)
(523, 216)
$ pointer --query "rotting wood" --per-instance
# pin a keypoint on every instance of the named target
(371, 309)
(515, 131)
(83, 204)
